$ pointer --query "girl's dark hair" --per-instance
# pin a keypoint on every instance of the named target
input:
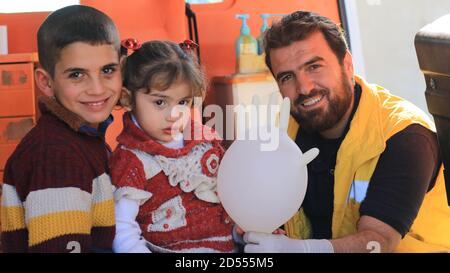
(298, 26)
(158, 65)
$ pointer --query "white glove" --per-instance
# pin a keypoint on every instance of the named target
(272, 243)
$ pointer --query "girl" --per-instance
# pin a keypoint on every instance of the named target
(165, 182)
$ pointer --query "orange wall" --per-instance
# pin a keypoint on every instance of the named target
(145, 19)
(218, 29)
(22, 30)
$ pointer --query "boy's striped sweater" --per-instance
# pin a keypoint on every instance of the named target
(57, 194)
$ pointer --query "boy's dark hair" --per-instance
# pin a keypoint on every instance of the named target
(298, 26)
(72, 24)
(158, 65)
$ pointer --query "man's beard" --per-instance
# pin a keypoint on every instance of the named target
(320, 120)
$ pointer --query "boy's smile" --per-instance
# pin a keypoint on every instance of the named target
(88, 81)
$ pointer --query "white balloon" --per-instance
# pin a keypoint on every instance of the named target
(261, 190)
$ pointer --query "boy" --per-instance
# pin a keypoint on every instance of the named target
(57, 194)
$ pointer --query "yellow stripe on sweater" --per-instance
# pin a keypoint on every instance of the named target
(46, 227)
(103, 214)
(12, 218)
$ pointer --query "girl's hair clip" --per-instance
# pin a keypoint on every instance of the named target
(188, 45)
(131, 43)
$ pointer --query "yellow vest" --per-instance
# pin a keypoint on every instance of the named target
(379, 116)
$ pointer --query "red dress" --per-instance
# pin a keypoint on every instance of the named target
(179, 209)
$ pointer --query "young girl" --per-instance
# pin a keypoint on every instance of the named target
(165, 194)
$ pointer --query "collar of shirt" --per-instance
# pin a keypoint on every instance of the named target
(100, 131)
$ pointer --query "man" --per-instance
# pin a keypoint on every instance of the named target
(377, 184)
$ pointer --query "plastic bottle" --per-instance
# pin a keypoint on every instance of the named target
(264, 27)
(246, 47)
(245, 44)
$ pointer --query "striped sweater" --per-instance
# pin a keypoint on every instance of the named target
(57, 194)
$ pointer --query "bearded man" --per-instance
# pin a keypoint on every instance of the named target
(377, 183)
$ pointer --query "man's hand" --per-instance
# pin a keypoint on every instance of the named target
(270, 243)
(277, 231)
(238, 234)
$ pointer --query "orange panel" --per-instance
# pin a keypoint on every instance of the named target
(19, 58)
(16, 87)
(16, 103)
(142, 19)
(12, 130)
(146, 19)
(22, 30)
(16, 76)
(240, 78)
(5, 152)
(1, 180)
(11, 133)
